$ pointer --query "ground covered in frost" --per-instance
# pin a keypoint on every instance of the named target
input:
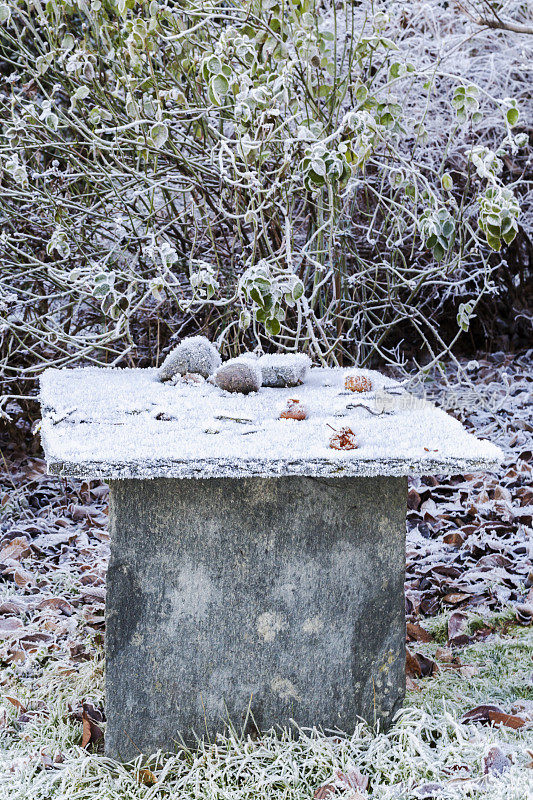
(468, 717)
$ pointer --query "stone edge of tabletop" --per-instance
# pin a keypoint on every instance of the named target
(271, 469)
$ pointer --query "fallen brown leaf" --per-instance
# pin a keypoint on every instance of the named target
(412, 666)
(457, 625)
(509, 720)
(454, 598)
(17, 548)
(444, 654)
(92, 733)
(414, 500)
(9, 626)
(16, 703)
(416, 633)
(354, 780)
(324, 791)
(57, 604)
(454, 539)
(487, 714)
(524, 613)
(146, 777)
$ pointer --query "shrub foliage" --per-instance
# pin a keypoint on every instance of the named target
(259, 169)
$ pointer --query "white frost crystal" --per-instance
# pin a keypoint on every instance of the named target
(194, 355)
(239, 375)
(284, 369)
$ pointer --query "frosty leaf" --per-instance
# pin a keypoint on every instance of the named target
(294, 410)
(447, 181)
(343, 440)
(159, 134)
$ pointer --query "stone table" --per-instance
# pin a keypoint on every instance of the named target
(256, 574)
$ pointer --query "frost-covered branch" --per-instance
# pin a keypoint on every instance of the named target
(282, 175)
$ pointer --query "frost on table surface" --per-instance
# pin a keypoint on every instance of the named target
(121, 423)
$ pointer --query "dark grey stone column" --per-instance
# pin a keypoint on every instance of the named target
(283, 596)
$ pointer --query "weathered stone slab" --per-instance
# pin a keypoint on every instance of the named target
(283, 596)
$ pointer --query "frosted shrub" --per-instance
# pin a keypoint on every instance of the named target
(261, 170)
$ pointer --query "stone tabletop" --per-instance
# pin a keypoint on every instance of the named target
(125, 423)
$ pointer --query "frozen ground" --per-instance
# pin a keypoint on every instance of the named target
(469, 605)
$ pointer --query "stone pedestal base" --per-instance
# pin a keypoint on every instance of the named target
(281, 597)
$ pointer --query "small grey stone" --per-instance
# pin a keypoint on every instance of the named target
(284, 369)
(238, 375)
(194, 355)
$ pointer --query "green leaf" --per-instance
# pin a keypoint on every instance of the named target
(394, 70)
(509, 235)
(268, 302)
(289, 300)
(81, 93)
(448, 228)
(512, 116)
(159, 134)
(101, 290)
(214, 65)
(438, 252)
(447, 181)
(114, 311)
(245, 319)
(256, 296)
(494, 242)
(218, 87)
(361, 94)
(107, 302)
(298, 290)
(273, 326)
(471, 103)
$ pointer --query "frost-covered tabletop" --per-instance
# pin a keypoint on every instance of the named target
(125, 423)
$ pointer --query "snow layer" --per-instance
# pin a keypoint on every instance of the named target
(124, 423)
